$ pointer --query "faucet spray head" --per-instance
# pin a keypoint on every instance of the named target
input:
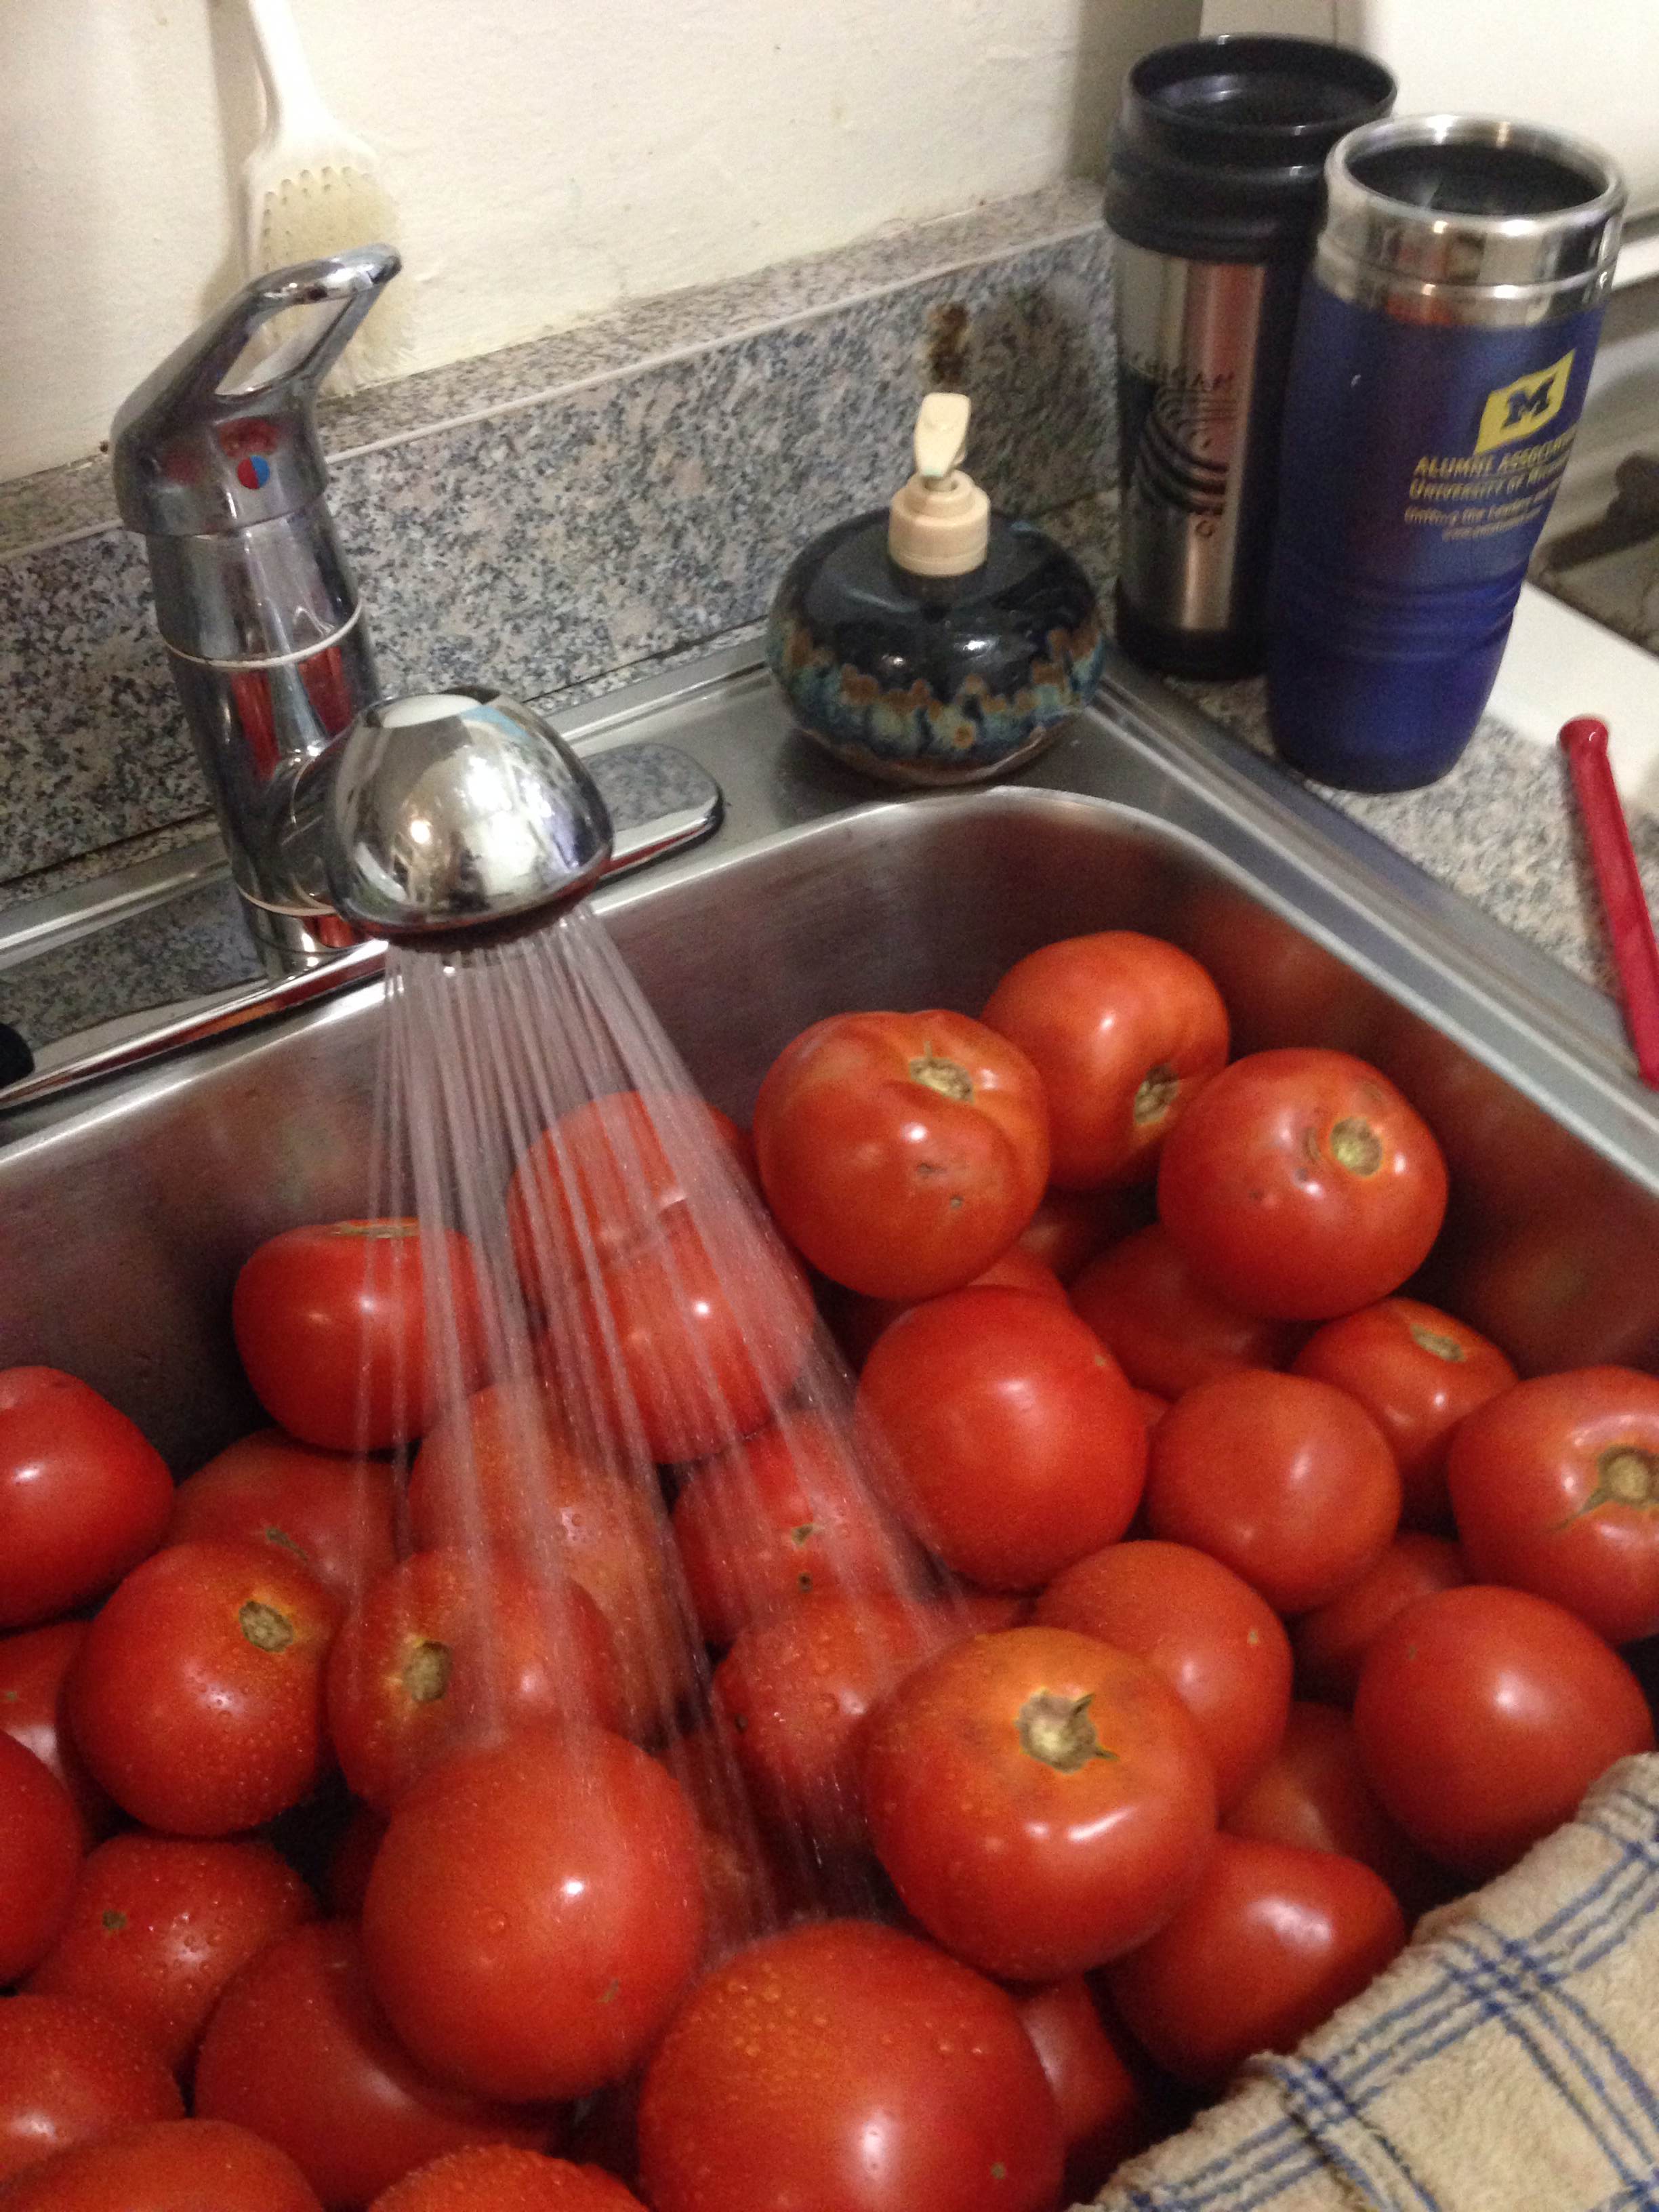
(454, 811)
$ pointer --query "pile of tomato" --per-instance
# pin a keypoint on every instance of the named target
(1181, 1608)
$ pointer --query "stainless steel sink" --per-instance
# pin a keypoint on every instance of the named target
(125, 1211)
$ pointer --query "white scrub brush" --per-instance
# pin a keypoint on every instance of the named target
(312, 188)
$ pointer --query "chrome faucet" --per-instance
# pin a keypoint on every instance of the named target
(343, 813)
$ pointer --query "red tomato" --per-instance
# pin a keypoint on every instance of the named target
(1105, 2112)
(451, 1648)
(39, 1857)
(785, 1511)
(1332, 1641)
(1164, 1328)
(858, 1322)
(797, 1688)
(197, 1698)
(1302, 1184)
(1125, 1031)
(167, 2166)
(601, 1180)
(498, 1471)
(753, 1880)
(1042, 1801)
(330, 1511)
(33, 1668)
(1483, 1716)
(69, 2075)
(1313, 1792)
(333, 1325)
(298, 2052)
(1267, 1946)
(901, 1152)
(1012, 1440)
(1555, 1486)
(501, 2179)
(684, 1345)
(1417, 1372)
(1070, 1226)
(1219, 1646)
(828, 2067)
(83, 1496)
(1286, 1480)
(158, 1925)
(535, 1913)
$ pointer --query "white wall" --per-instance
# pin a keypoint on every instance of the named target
(549, 157)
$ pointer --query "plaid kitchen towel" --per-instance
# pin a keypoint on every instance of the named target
(1507, 2062)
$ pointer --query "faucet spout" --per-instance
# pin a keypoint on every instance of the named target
(446, 813)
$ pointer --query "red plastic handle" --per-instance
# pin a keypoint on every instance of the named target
(1629, 926)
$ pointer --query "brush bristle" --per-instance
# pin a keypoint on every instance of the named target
(330, 209)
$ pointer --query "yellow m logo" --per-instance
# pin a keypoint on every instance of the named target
(1521, 409)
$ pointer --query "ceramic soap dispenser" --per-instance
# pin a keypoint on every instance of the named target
(934, 642)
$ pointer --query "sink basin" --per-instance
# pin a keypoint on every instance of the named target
(125, 1212)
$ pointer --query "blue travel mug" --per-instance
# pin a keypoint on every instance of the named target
(1444, 343)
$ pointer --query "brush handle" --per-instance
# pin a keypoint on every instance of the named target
(293, 103)
(1629, 926)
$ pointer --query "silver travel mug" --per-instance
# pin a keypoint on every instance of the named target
(1214, 194)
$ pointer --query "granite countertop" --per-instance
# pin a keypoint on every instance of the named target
(1501, 829)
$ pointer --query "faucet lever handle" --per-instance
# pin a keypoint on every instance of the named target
(200, 448)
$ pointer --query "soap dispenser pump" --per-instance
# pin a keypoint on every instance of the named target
(934, 641)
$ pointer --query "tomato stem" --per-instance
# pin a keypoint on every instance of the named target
(426, 1673)
(266, 1628)
(947, 1076)
(1157, 1092)
(1058, 1730)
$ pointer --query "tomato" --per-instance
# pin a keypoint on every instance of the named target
(39, 1857)
(1484, 1714)
(1167, 1330)
(167, 2166)
(753, 1880)
(69, 2074)
(450, 1649)
(785, 1511)
(33, 1668)
(685, 1344)
(331, 1511)
(830, 2067)
(501, 2179)
(298, 2052)
(83, 1496)
(1125, 1031)
(1106, 2114)
(901, 1152)
(333, 1322)
(1555, 1487)
(1417, 1372)
(1041, 1801)
(498, 1471)
(159, 1925)
(1302, 1184)
(1313, 1792)
(858, 1322)
(1012, 1443)
(797, 1688)
(197, 1698)
(1273, 1939)
(1070, 1226)
(601, 1179)
(1219, 1646)
(1286, 1480)
(1332, 1641)
(535, 1913)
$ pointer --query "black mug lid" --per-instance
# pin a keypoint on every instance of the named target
(1220, 143)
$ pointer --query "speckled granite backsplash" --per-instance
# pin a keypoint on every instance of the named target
(584, 504)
